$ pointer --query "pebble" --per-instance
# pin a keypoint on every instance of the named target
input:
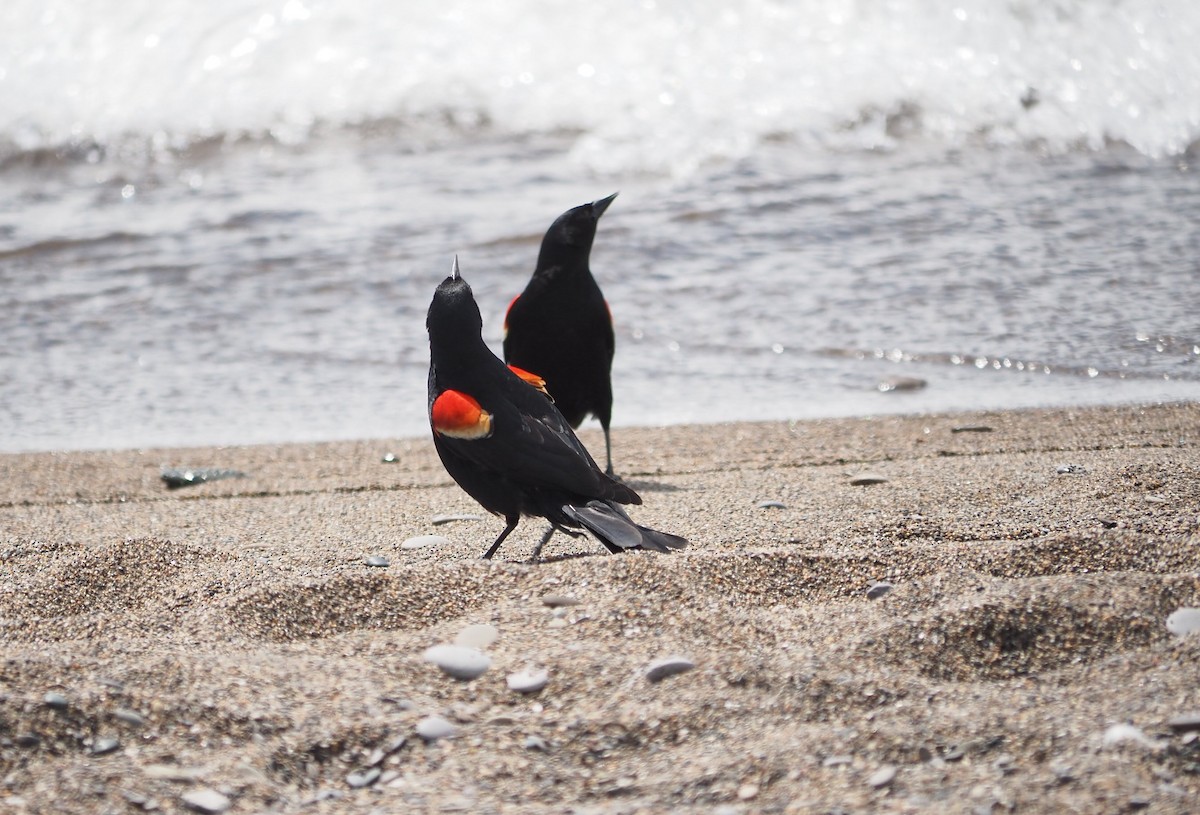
(559, 600)
(421, 541)
(1184, 621)
(55, 700)
(1119, 734)
(882, 777)
(129, 717)
(971, 428)
(177, 477)
(205, 800)
(102, 747)
(894, 384)
(837, 761)
(378, 560)
(661, 669)
(1185, 723)
(432, 728)
(479, 635)
(530, 681)
(747, 792)
(1069, 469)
(389, 458)
(866, 479)
(362, 779)
(536, 743)
(173, 772)
(458, 661)
(28, 740)
(438, 520)
(772, 505)
(878, 588)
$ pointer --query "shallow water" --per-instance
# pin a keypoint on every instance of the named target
(255, 265)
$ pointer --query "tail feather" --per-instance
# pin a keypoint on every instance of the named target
(617, 531)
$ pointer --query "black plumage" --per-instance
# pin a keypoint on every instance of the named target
(508, 446)
(560, 327)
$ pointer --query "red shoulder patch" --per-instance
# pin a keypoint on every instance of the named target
(508, 311)
(532, 379)
(459, 416)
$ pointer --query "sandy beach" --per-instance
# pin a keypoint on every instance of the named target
(961, 613)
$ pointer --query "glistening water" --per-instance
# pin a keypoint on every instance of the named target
(223, 223)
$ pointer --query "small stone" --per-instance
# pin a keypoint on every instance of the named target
(867, 479)
(421, 541)
(536, 743)
(458, 661)
(172, 772)
(205, 800)
(1184, 621)
(878, 588)
(882, 777)
(27, 740)
(1186, 723)
(747, 792)
(178, 477)
(364, 778)
(432, 728)
(529, 681)
(478, 635)
(102, 747)
(1069, 469)
(559, 600)
(389, 458)
(1119, 734)
(971, 428)
(438, 520)
(378, 560)
(896, 384)
(55, 700)
(772, 505)
(129, 717)
(837, 761)
(557, 622)
(661, 669)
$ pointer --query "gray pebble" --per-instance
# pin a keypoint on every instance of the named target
(866, 479)
(478, 635)
(529, 681)
(432, 728)
(363, 779)
(458, 661)
(837, 761)
(559, 600)
(177, 477)
(895, 384)
(536, 743)
(389, 458)
(28, 740)
(878, 589)
(378, 560)
(1184, 621)
(205, 800)
(102, 747)
(772, 505)
(129, 717)
(55, 700)
(421, 541)
(438, 520)
(1186, 723)
(882, 777)
(1069, 469)
(971, 428)
(661, 669)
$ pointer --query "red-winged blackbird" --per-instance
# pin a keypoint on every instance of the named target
(560, 327)
(508, 446)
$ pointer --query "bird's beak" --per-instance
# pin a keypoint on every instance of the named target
(454, 270)
(598, 207)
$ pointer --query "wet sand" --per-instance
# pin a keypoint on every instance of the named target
(226, 646)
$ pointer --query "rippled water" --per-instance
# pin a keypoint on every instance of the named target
(235, 260)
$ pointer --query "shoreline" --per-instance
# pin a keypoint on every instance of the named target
(1031, 557)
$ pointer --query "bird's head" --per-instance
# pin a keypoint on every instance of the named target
(453, 313)
(577, 227)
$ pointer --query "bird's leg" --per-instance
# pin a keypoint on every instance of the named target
(512, 524)
(537, 550)
(608, 455)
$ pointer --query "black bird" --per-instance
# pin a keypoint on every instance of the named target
(506, 443)
(560, 327)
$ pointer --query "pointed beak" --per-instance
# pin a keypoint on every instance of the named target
(454, 270)
(598, 207)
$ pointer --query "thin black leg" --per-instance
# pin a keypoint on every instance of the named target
(512, 524)
(537, 550)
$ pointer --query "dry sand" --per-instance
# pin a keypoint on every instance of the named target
(228, 640)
